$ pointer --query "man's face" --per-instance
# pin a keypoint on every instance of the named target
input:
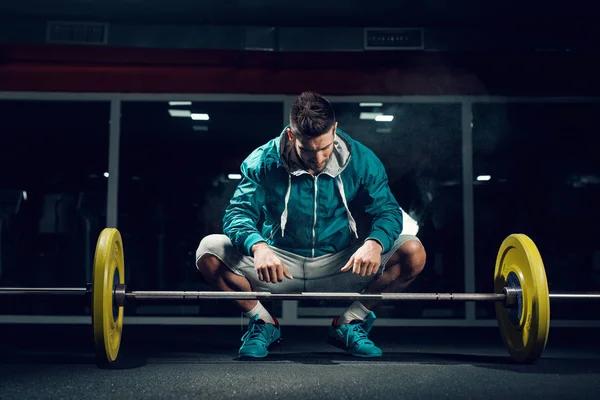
(314, 152)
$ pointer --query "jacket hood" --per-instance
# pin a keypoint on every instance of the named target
(342, 151)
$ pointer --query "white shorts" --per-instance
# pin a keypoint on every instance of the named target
(319, 274)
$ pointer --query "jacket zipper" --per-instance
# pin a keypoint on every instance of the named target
(316, 178)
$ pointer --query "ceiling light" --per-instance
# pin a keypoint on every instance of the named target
(180, 113)
(180, 103)
(371, 104)
(482, 178)
(369, 115)
(200, 117)
(384, 118)
(234, 176)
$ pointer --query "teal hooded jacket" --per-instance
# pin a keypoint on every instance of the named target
(311, 215)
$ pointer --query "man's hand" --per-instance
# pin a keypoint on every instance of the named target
(268, 266)
(366, 260)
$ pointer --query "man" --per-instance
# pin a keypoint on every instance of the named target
(305, 183)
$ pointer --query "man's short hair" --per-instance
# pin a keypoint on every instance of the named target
(311, 115)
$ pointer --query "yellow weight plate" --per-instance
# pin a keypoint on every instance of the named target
(107, 318)
(524, 337)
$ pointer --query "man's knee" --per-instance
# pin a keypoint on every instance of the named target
(209, 266)
(411, 256)
(207, 263)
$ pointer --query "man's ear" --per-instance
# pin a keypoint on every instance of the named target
(290, 134)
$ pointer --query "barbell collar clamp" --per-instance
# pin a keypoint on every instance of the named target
(119, 295)
(512, 295)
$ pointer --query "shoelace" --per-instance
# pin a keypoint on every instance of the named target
(255, 332)
(358, 334)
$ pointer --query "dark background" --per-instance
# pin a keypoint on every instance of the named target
(527, 70)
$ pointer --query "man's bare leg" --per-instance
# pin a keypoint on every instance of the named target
(220, 276)
(400, 271)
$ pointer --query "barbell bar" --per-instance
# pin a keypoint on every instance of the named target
(521, 296)
(120, 293)
(206, 295)
(24, 291)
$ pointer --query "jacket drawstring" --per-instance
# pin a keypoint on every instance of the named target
(351, 220)
(284, 214)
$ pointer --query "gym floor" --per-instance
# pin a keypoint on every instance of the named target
(180, 362)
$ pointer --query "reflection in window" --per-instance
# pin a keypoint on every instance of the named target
(420, 146)
(53, 155)
(544, 181)
(178, 169)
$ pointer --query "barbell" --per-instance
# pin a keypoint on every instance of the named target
(521, 296)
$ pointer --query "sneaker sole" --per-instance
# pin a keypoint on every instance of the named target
(269, 348)
(337, 344)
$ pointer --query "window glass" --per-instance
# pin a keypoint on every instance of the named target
(53, 160)
(544, 181)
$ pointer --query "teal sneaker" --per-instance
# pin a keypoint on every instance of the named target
(353, 337)
(258, 338)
